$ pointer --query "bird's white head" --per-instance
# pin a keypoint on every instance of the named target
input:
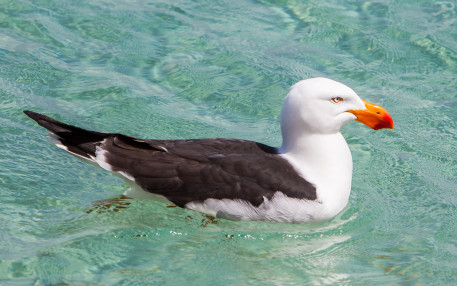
(323, 106)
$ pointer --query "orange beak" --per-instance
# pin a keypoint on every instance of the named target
(374, 116)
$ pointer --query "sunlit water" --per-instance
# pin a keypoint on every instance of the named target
(193, 69)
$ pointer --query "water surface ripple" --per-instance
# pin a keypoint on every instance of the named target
(190, 69)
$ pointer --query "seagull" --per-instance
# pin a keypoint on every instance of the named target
(307, 179)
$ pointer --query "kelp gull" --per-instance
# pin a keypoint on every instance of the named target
(307, 179)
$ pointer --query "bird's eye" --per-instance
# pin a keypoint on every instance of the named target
(336, 99)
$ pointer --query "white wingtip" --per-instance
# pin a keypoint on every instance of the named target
(56, 141)
(100, 159)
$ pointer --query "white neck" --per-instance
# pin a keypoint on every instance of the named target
(324, 160)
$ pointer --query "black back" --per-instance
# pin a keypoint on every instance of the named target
(190, 170)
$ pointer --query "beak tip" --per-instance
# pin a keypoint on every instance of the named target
(389, 120)
(374, 116)
(386, 122)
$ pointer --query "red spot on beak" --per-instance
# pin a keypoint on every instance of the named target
(374, 116)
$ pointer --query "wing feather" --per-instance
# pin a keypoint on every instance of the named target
(195, 170)
(186, 170)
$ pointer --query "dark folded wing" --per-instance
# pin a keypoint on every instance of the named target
(194, 170)
(186, 170)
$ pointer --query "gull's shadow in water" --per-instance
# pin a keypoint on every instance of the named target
(110, 205)
(123, 201)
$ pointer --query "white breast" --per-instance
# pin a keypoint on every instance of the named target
(325, 160)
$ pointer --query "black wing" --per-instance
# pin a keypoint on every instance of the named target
(188, 170)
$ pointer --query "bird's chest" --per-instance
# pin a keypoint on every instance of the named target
(329, 169)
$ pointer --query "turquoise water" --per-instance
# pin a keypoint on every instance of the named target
(190, 69)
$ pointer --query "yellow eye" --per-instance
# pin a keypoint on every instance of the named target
(336, 99)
